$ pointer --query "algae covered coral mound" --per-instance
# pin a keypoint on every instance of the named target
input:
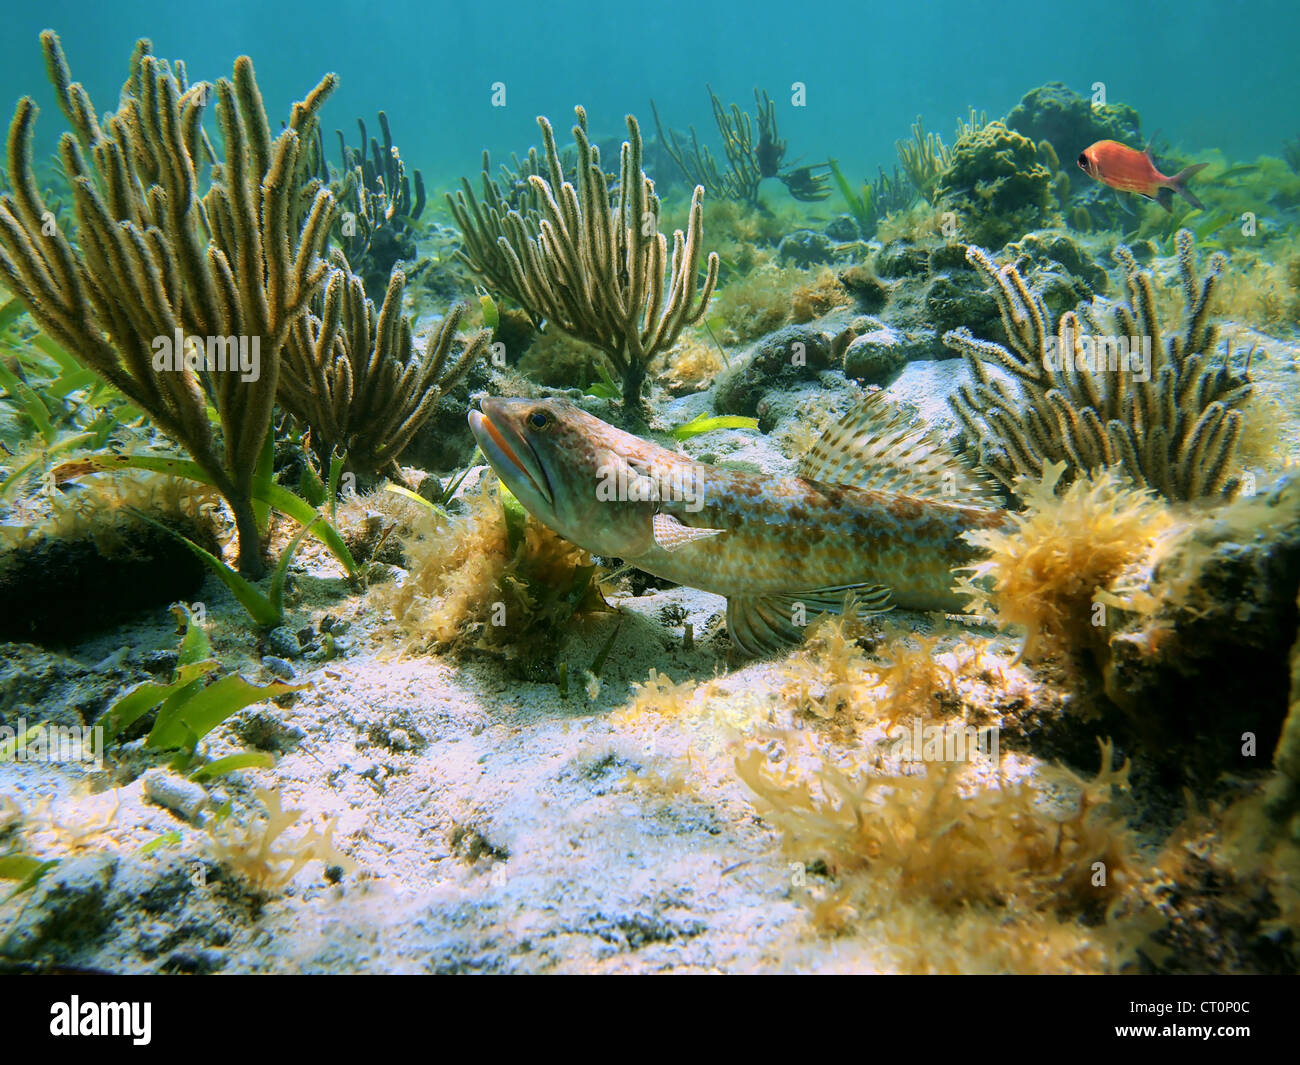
(998, 184)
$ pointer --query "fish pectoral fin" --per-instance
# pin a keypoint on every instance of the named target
(761, 624)
(670, 534)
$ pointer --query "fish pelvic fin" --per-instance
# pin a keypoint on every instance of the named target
(876, 446)
(1178, 184)
(761, 624)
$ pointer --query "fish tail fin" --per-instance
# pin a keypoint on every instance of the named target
(1178, 184)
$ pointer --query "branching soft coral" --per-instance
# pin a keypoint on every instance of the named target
(1059, 564)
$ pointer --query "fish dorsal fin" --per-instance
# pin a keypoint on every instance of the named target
(875, 446)
(1148, 152)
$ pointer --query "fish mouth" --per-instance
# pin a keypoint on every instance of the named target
(507, 448)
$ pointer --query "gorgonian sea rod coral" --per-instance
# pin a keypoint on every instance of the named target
(1168, 416)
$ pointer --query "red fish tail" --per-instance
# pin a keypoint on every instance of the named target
(1178, 183)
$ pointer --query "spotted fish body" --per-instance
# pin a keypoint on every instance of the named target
(877, 508)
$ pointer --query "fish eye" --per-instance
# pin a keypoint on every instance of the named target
(539, 419)
(1083, 160)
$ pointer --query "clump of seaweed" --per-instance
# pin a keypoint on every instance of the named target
(947, 844)
(1291, 153)
(1164, 413)
(256, 851)
(802, 433)
(491, 578)
(918, 223)
(818, 295)
(1259, 291)
(691, 365)
(1056, 566)
(455, 566)
(659, 695)
(773, 296)
(851, 676)
(830, 676)
(743, 239)
(710, 716)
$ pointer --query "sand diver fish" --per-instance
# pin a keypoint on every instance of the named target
(1129, 170)
(876, 507)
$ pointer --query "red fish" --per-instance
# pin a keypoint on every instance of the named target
(1129, 170)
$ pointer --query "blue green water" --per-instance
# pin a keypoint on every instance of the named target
(1208, 75)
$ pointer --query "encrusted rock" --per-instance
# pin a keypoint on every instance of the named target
(900, 259)
(282, 642)
(779, 359)
(875, 358)
(842, 228)
(1210, 668)
(805, 247)
(999, 185)
(56, 589)
(278, 667)
(868, 291)
(958, 299)
(42, 686)
(1070, 122)
(67, 912)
